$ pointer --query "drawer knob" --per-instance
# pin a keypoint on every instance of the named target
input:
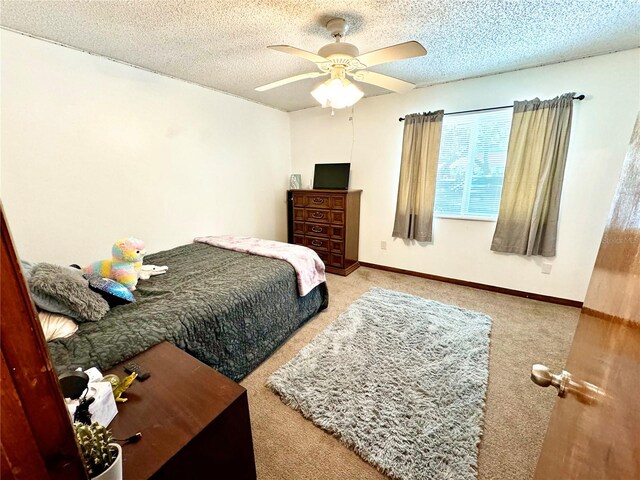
(317, 200)
(316, 229)
(317, 215)
(316, 243)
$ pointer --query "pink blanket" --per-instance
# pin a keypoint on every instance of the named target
(308, 266)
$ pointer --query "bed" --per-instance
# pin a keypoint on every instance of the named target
(230, 310)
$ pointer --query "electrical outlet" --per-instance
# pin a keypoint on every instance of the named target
(546, 267)
(383, 245)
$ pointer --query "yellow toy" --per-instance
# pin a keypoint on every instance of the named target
(122, 387)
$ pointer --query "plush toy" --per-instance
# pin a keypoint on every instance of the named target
(148, 271)
(126, 262)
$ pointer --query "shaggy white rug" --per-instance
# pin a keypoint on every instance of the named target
(399, 379)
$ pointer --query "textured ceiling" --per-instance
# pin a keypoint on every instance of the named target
(222, 44)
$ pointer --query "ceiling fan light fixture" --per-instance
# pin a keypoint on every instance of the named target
(337, 93)
(339, 59)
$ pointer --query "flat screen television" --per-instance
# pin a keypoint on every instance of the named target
(331, 176)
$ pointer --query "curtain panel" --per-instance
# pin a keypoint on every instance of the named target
(418, 171)
(530, 202)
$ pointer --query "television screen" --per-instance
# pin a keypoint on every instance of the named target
(331, 176)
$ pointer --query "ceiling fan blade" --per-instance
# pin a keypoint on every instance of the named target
(384, 81)
(393, 53)
(298, 53)
(295, 78)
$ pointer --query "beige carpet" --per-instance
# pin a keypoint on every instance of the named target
(517, 412)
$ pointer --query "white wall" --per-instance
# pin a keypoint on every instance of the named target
(602, 126)
(93, 150)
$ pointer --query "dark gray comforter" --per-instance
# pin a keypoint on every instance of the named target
(230, 310)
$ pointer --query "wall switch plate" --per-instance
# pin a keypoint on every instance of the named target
(383, 245)
(546, 267)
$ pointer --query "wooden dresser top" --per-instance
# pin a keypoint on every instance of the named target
(302, 190)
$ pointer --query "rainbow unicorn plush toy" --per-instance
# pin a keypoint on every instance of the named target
(126, 262)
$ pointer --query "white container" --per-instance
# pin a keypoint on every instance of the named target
(114, 472)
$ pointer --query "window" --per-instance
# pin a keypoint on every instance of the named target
(473, 152)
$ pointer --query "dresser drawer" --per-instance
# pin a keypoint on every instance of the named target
(316, 230)
(317, 243)
(317, 201)
(324, 256)
(298, 228)
(298, 239)
(337, 232)
(336, 247)
(321, 216)
(337, 217)
(337, 202)
(299, 200)
(298, 214)
(336, 260)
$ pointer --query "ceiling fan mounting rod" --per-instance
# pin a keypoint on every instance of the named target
(337, 27)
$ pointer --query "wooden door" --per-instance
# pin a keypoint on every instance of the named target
(36, 438)
(594, 432)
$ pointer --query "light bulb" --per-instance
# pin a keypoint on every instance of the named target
(337, 93)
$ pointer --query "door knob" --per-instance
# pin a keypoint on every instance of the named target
(585, 392)
(542, 376)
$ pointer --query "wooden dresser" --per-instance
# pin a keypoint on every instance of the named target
(194, 421)
(327, 221)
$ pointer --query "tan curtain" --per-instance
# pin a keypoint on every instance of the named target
(418, 171)
(528, 217)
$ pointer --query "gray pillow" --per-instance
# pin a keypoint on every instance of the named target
(26, 268)
(43, 301)
(64, 290)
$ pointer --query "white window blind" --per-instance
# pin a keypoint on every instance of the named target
(473, 151)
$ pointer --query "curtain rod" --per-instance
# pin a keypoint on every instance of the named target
(401, 119)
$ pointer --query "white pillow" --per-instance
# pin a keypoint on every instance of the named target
(56, 325)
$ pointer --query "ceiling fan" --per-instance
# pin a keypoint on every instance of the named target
(341, 59)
